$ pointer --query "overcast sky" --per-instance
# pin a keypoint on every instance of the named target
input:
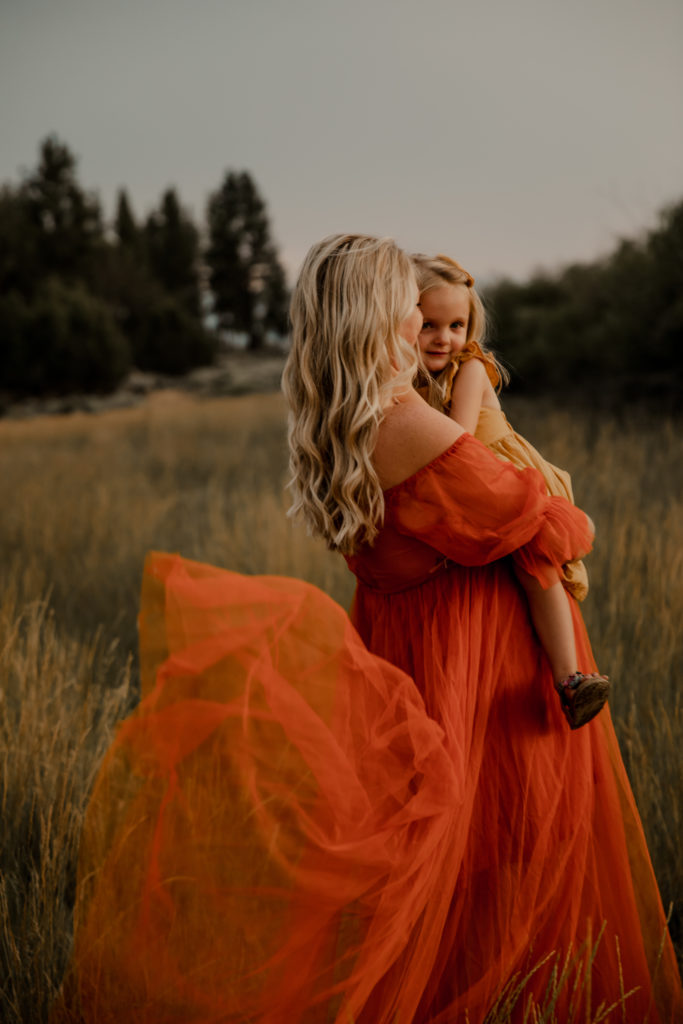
(511, 135)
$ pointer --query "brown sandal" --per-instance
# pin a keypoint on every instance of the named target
(582, 697)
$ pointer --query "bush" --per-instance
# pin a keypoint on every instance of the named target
(168, 339)
(14, 316)
(66, 340)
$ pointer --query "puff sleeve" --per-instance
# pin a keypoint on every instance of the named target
(475, 508)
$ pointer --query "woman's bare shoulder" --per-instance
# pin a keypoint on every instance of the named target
(411, 435)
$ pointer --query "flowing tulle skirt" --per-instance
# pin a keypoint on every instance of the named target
(290, 829)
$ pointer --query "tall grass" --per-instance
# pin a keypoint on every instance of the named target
(82, 500)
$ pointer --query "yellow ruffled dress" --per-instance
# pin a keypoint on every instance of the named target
(495, 432)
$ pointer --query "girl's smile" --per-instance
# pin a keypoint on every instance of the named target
(445, 318)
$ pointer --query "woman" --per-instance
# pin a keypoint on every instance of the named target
(293, 829)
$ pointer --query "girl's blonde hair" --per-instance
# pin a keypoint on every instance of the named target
(435, 273)
(346, 363)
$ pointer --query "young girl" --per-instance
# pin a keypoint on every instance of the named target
(467, 378)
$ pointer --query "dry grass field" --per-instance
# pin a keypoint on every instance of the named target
(84, 497)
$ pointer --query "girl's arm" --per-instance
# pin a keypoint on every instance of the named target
(469, 386)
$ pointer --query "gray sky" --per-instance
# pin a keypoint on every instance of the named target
(511, 135)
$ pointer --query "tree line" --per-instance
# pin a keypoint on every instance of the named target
(82, 302)
(605, 331)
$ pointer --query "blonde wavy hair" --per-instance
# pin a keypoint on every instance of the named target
(435, 272)
(346, 363)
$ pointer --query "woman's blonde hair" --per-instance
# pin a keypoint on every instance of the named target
(346, 362)
(435, 272)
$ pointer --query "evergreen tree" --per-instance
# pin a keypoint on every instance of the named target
(152, 280)
(172, 245)
(245, 276)
(76, 309)
(277, 297)
(665, 311)
(126, 229)
(67, 220)
(20, 263)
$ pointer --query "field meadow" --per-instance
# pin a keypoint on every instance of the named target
(84, 497)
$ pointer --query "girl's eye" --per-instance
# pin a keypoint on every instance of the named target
(426, 324)
(457, 324)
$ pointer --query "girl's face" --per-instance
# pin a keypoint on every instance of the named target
(409, 328)
(445, 316)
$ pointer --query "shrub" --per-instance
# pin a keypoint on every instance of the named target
(66, 340)
(168, 339)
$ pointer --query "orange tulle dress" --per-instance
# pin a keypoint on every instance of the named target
(311, 820)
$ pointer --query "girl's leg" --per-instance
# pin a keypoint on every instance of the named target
(581, 696)
(552, 619)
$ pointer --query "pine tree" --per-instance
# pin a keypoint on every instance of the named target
(67, 220)
(245, 275)
(277, 304)
(125, 227)
(172, 245)
(20, 263)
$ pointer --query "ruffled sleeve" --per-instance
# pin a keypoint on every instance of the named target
(475, 508)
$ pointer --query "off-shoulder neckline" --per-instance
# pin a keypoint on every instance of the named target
(442, 456)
